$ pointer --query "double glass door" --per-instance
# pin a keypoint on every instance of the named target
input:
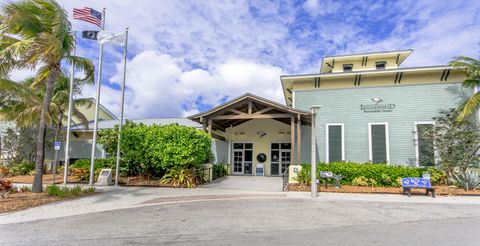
(280, 158)
(243, 158)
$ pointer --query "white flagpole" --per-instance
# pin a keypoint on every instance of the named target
(97, 105)
(69, 117)
(117, 167)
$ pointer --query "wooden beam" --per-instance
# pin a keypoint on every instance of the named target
(250, 107)
(263, 111)
(237, 111)
(299, 139)
(292, 141)
(219, 127)
(246, 116)
(216, 136)
(210, 121)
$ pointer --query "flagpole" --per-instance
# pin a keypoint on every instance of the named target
(117, 167)
(97, 105)
(69, 117)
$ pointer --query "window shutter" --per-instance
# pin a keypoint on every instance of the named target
(334, 143)
(379, 148)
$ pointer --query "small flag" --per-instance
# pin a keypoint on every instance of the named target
(116, 38)
(89, 15)
(90, 35)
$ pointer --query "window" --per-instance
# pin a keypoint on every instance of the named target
(378, 143)
(335, 143)
(424, 148)
(347, 67)
(380, 64)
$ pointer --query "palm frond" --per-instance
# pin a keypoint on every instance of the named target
(469, 106)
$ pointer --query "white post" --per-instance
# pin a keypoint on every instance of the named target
(97, 105)
(313, 183)
(117, 167)
(69, 117)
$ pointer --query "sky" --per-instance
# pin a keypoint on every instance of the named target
(185, 57)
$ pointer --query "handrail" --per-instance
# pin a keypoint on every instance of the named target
(285, 179)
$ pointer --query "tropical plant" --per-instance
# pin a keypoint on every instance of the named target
(23, 168)
(456, 142)
(471, 68)
(363, 181)
(37, 33)
(219, 170)
(18, 145)
(181, 177)
(6, 186)
(470, 179)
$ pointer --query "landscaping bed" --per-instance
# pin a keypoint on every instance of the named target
(23, 200)
(47, 179)
(440, 190)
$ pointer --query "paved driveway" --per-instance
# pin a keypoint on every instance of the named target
(273, 220)
(247, 183)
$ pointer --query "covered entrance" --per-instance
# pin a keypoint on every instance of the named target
(260, 137)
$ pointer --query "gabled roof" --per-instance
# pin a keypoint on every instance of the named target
(101, 107)
(253, 97)
(248, 107)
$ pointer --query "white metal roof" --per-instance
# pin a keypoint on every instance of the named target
(109, 124)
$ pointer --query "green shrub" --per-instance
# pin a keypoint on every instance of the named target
(362, 181)
(88, 189)
(23, 168)
(53, 190)
(382, 174)
(152, 150)
(219, 170)
(25, 189)
(75, 190)
(183, 178)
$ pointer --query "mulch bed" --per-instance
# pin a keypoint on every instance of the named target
(23, 200)
(440, 190)
(47, 179)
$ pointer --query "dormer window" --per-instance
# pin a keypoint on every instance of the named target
(380, 65)
(347, 67)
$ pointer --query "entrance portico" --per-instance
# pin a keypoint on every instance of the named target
(262, 137)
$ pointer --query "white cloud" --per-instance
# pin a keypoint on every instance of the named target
(158, 87)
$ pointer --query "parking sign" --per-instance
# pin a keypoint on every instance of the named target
(58, 145)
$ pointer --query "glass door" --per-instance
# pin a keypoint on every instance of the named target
(279, 157)
(243, 158)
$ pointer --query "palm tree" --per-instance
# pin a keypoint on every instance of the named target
(22, 104)
(471, 68)
(37, 33)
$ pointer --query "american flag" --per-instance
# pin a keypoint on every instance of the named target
(89, 15)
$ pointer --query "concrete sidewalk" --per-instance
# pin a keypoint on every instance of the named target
(113, 198)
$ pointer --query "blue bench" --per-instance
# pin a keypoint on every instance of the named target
(421, 183)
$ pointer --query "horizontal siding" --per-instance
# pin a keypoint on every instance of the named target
(412, 103)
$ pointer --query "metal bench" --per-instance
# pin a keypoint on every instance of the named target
(326, 175)
(421, 183)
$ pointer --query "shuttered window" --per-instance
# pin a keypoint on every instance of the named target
(335, 149)
(426, 156)
(378, 143)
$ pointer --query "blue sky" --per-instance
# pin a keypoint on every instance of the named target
(187, 56)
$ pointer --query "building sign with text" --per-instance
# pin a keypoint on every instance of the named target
(377, 107)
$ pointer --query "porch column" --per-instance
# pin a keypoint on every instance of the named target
(299, 140)
(292, 140)
(210, 127)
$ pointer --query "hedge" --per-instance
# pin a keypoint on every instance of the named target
(152, 150)
(383, 174)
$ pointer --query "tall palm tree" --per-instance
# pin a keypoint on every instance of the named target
(471, 68)
(37, 33)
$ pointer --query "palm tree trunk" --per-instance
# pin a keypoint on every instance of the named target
(42, 129)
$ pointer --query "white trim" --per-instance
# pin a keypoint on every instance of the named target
(417, 154)
(327, 157)
(387, 140)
